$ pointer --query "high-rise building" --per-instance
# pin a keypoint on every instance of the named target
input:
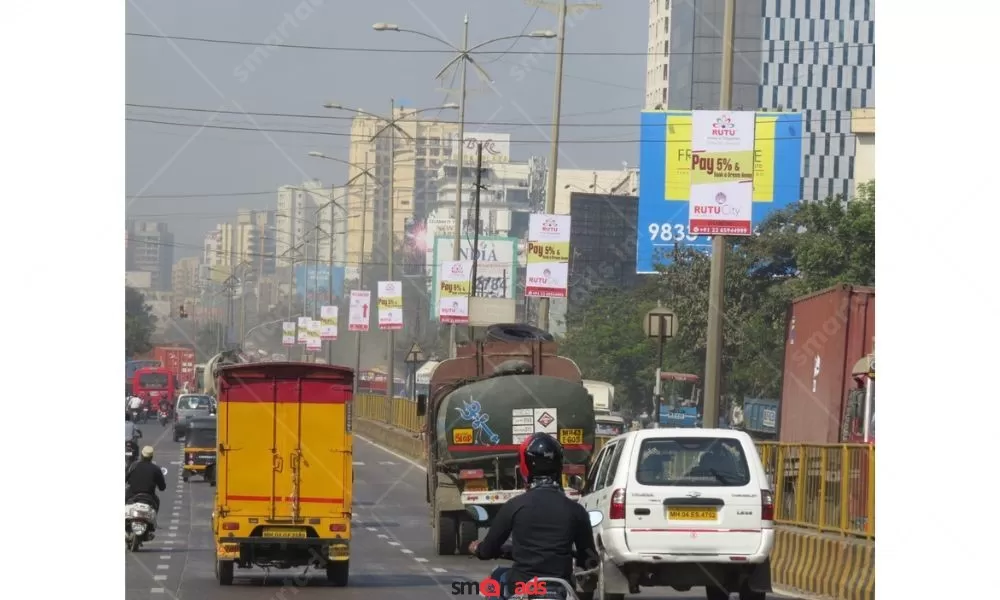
(816, 57)
(185, 277)
(151, 249)
(418, 154)
(296, 219)
(214, 260)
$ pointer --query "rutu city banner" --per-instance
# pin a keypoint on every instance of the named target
(328, 324)
(548, 256)
(390, 305)
(303, 336)
(288, 333)
(722, 165)
(313, 340)
(455, 285)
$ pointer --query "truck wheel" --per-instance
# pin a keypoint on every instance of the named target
(336, 572)
(445, 536)
(468, 532)
(224, 571)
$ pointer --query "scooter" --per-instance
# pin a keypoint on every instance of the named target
(140, 520)
(164, 417)
(541, 588)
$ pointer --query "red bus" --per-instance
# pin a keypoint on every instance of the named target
(154, 384)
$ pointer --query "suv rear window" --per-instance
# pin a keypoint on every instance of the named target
(693, 461)
(193, 403)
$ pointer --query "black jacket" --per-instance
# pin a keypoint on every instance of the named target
(545, 525)
(144, 477)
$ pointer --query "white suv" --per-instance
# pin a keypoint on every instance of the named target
(682, 508)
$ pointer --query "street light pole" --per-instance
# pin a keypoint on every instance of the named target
(390, 253)
(717, 276)
(361, 274)
(329, 284)
(456, 251)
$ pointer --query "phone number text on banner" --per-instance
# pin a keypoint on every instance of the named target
(390, 305)
(722, 170)
(548, 256)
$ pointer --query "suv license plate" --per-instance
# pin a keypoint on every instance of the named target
(676, 513)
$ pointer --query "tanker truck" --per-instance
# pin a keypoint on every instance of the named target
(480, 406)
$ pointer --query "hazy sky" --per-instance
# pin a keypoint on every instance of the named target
(165, 159)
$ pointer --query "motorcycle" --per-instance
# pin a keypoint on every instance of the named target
(164, 417)
(540, 588)
(134, 413)
(140, 520)
(144, 415)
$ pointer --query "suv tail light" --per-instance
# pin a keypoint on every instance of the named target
(617, 511)
(766, 505)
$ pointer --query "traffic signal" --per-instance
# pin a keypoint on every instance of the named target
(181, 312)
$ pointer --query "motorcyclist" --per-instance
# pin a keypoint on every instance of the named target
(144, 477)
(544, 523)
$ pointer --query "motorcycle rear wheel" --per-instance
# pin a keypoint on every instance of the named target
(134, 543)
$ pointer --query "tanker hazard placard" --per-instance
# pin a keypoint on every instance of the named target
(529, 421)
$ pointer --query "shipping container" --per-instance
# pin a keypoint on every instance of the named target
(827, 332)
(760, 415)
(180, 360)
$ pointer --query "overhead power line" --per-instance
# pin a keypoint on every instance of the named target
(816, 46)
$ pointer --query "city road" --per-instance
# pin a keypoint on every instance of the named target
(391, 556)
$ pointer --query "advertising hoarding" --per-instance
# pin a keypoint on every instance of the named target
(315, 279)
(496, 271)
(665, 164)
(722, 163)
(496, 147)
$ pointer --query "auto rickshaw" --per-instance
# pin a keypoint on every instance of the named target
(200, 449)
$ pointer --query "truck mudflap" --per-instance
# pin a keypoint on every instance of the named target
(501, 496)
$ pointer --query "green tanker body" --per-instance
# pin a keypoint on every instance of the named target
(482, 404)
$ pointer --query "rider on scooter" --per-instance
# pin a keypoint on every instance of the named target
(144, 477)
(544, 523)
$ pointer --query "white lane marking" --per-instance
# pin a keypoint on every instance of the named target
(168, 541)
(174, 521)
(371, 528)
(176, 513)
(164, 557)
(386, 462)
(358, 464)
(439, 570)
(395, 544)
(159, 577)
(172, 534)
(406, 551)
(162, 567)
(420, 560)
(157, 590)
(383, 536)
(392, 452)
(173, 528)
(176, 462)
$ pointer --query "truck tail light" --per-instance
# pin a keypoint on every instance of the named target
(230, 526)
(767, 506)
(617, 511)
(471, 474)
(338, 527)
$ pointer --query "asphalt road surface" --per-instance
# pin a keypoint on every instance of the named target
(391, 552)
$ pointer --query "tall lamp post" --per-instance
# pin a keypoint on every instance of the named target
(391, 125)
(463, 54)
(660, 324)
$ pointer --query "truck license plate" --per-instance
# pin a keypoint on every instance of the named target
(476, 485)
(284, 532)
(570, 436)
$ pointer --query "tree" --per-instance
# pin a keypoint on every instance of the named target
(139, 323)
(801, 249)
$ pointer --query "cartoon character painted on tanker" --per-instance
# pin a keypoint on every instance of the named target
(472, 411)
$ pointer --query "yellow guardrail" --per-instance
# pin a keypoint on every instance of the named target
(827, 488)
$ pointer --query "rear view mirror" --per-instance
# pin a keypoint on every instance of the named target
(421, 405)
(478, 513)
(576, 482)
(596, 518)
(163, 470)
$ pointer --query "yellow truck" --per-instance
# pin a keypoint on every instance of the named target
(285, 470)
